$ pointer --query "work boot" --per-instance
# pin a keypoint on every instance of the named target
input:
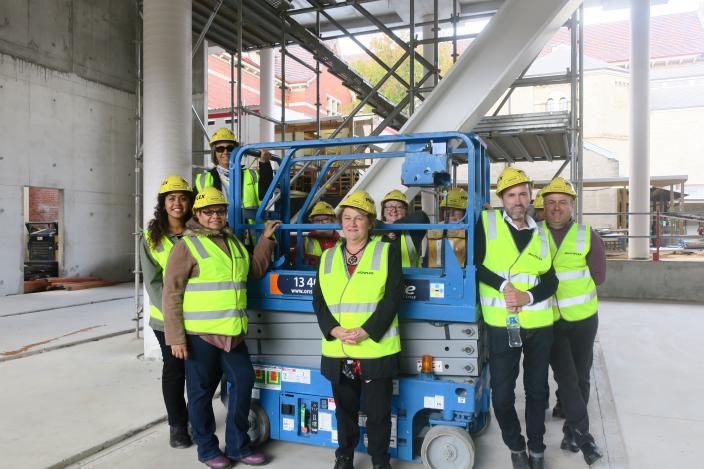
(386, 465)
(557, 410)
(519, 459)
(568, 443)
(591, 452)
(218, 462)
(536, 460)
(179, 437)
(343, 462)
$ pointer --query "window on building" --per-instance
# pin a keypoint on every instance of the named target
(550, 105)
(563, 104)
(333, 106)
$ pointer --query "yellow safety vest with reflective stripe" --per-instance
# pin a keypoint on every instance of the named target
(409, 256)
(576, 297)
(352, 299)
(160, 253)
(215, 302)
(312, 247)
(522, 269)
(250, 187)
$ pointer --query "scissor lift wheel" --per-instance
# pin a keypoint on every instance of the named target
(258, 425)
(446, 447)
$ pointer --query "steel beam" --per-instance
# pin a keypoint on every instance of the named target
(508, 44)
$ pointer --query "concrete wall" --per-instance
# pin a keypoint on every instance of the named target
(67, 122)
(648, 280)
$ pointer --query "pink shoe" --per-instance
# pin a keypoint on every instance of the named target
(254, 459)
(218, 462)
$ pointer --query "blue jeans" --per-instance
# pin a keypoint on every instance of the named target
(504, 366)
(204, 367)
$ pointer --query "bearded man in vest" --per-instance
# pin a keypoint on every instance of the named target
(516, 284)
(579, 258)
(254, 182)
(204, 303)
(356, 300)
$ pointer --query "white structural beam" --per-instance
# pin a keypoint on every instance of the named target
(266, 94)
(639, 168)
(167, 106)
(511, 40)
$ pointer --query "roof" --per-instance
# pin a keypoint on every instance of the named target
(676, 35)
(558, 61)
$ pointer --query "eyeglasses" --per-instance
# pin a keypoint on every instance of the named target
(397, 208)
(221, 149)
(221, 212)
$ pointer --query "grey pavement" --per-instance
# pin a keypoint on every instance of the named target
(96, 404)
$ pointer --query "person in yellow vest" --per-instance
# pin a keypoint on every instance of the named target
(254, 182)
(579, 258)
(205, 316)
(394, 209)
(356, 300)
(538, 211)
(516, 283)
(453, 208)
(172, 210)
(317, 241)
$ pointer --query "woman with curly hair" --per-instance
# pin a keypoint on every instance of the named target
(172, 210)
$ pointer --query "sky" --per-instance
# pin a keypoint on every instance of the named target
(592, 15)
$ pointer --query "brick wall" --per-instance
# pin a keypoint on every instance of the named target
(43, 204)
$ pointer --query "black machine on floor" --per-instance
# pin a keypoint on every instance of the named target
(42, 247)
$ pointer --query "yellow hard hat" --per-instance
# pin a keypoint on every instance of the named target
(209, 196)
(322, 208)
(223, 134)
(395, 195)
(559, 186)
(510, 177)
(360, 200)
(538, 202)
(455, 198)
(174, 183)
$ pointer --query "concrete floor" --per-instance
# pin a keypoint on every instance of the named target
(95, 404)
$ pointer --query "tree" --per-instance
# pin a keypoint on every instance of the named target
(389, 52)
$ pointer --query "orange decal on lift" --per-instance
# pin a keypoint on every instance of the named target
(274, 285)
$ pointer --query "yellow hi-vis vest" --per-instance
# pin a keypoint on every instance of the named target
(215, 302)
(576, 297)
(250, 187)
(522, 269)
(457, 240)
(160, 253)
(352, 299)
(409, 256)
(312, 247)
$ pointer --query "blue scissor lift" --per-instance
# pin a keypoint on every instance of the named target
(434, 415)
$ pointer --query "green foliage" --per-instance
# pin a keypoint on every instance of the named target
(389, 52)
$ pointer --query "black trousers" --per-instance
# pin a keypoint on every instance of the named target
(376, 401)
(571, 360)
(173, 384)
(504, 366)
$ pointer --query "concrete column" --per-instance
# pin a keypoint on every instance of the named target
(639, 168)
(200, 102)
(267, 83)
(167, 107)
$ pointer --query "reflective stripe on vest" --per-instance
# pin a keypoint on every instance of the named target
(215, 301)
(160, 253)
(576, 296)
(204, 180)
(312, 247)
(352, 299)
(250, 189)
(409, 256)
(523, 269)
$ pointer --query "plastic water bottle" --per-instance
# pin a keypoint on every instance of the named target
(513, 327)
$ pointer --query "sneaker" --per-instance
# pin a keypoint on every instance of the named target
(254, 459)
(218, 462)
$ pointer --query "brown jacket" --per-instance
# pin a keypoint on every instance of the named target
(182, 266)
